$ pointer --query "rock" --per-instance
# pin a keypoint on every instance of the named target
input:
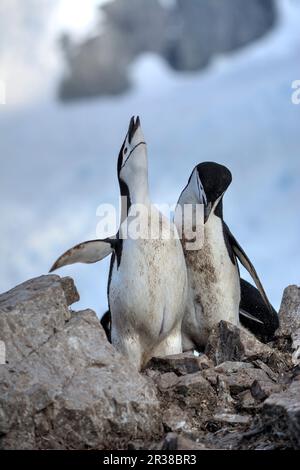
(261, 390)
(225, 344)
(193, 391)
(289, 317)
(228, 380)
(296, 347)
(272, 375)
(204, 362)
(176, 419)
(281, 415)
(181, 364)
(228, 342)
(33, 312)
(231, 418)
(209, 27)
(230, 367)
(211, 376)
(70, 290)
(186, 35)
(166, 381)
(173, 441)
(246, 400)
(65, 386)
(243, 379)
(289, 312)
(225, 401)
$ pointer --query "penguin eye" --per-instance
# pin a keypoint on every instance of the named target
(125, 150)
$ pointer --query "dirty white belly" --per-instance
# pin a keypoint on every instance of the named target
(147, 297)
(214, 287)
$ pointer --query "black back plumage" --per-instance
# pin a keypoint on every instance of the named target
(252, 302)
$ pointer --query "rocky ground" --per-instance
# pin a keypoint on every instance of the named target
(64, 386)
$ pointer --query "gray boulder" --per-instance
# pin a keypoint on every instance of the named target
(181, 364)
(64, 386)
(289, 316)
(187, 35)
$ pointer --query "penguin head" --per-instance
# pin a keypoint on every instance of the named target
(208, 183)
(132, 161)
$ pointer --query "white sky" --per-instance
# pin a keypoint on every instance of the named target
(76, 16)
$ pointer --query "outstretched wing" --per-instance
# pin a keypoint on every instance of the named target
(86, 252)
(245, 261)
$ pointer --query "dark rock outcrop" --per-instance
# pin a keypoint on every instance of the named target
(230, 343)
(187, 35)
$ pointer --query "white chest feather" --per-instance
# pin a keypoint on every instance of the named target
(147, 292)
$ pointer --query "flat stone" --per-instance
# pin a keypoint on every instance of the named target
(181, 364)
(231, 418)
(230, 367)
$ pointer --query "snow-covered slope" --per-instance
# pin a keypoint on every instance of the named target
(59, 163)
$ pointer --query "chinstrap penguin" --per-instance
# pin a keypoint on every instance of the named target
(147, 284)
(213, 272)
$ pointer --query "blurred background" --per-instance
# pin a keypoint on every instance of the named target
(210, 79)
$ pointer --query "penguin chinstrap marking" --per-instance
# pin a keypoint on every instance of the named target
(213, 272)
(147, 285)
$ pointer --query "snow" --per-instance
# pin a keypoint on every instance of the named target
(58, 163)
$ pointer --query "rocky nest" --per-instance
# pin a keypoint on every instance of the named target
(63, 386)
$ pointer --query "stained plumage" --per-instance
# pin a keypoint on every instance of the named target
(213, 272)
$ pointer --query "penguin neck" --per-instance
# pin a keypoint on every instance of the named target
(139, 190)
(219, 209)
(138, 193)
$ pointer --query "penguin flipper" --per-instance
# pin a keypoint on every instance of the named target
(86, 252)
(245, 261)
(253, 305)
(250, 317)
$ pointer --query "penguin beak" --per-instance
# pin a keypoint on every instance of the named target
(133, 127)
